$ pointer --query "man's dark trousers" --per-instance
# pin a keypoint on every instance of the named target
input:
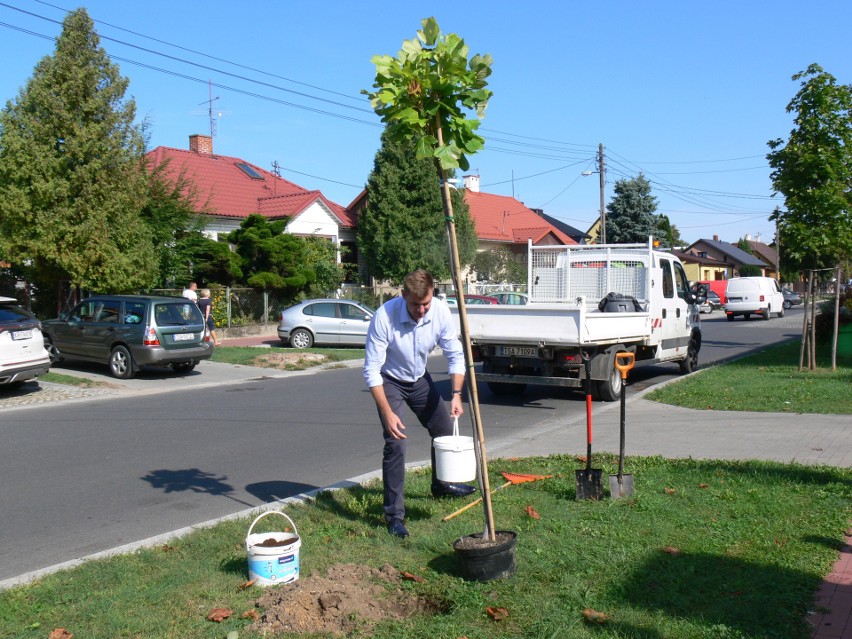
(428, 406)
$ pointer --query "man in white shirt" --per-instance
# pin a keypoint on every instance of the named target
(402, 334)
(190, 292)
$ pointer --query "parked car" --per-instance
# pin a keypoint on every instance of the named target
(791, 298)
(511, 297)
(22, 352)
(473, 299)
(712, 302)
(749, 296)
(325, 321)
(127, 332)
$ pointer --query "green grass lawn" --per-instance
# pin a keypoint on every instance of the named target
(702, 550)
(768, 381)
(254, 356)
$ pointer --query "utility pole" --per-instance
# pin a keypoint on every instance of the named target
(602, 234)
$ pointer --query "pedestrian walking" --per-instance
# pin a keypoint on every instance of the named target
(402, 334)
(190, 292)
(206, 306)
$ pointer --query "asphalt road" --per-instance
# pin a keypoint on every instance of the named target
(84, 475)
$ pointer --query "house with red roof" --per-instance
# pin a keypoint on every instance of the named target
(499, 220)
(229, 189)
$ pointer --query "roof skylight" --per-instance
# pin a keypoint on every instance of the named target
(245, 168)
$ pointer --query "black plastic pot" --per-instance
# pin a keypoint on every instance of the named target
(487, 563)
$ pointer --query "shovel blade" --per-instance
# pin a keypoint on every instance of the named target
(620, 486)
(590, 484)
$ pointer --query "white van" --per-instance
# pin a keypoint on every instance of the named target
(753, 295)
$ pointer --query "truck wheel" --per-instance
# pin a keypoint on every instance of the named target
(609, 390)
(730, 316)
(781, 314)
(768, 313)
(502, 388)
(690, 362)
(747, 316)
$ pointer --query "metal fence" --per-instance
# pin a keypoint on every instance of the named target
(239, 307)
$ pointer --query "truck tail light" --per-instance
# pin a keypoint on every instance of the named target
(150, 338)
(762, 298)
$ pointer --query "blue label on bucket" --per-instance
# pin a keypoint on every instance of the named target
(275, 569)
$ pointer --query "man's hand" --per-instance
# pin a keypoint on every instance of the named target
(456, 406)
(394, 426)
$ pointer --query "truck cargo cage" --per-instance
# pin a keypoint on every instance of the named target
(564, 274)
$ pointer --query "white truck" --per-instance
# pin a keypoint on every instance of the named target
(588, 301)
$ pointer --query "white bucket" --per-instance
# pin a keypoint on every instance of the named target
(273, 558)
(455, 460)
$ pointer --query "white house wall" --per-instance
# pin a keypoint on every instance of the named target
(315, 220)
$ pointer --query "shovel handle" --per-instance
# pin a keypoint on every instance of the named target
(472, 504)
(624, 361)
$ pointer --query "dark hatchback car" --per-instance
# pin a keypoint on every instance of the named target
(127, 332)
(791, 298)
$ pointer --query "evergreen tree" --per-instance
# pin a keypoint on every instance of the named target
(72, 181)
(176, 229)
(272, 259)
(669, 233)
(631, 214)
(402, 227)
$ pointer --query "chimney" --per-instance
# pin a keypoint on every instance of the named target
(715, 238)
(201, 144)
(471, 183)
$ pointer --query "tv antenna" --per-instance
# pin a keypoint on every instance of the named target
(210, 102)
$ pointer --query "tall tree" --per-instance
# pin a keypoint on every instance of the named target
(72, 182)
(175, 228)
(402, 228)
(631, 214)
(813, 171)
(670, 233)
(499, 266)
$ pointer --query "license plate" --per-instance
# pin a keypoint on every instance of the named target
(183, 337)
(28, 334)
(519, 351)
(735, 299)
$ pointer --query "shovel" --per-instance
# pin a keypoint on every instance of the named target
(621, 485)
(589, 480)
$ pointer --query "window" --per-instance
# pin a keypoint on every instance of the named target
(108, 311)
(682, 283)
(668, 282)
(133, 312)
(245, 168)
(322, 309)
(350, 311)
(82, 312)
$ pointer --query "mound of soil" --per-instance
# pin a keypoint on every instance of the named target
(285, 360)
(349, 596)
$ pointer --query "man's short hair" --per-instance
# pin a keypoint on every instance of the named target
(418, 283)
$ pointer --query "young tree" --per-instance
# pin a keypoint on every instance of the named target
(631, 214)
(71, 170)
(402, 228)
(813, 171)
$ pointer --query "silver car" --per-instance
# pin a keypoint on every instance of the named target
(325, 321)
(128, 332)
(22, 353)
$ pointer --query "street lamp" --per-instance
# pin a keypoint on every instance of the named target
(601, 170)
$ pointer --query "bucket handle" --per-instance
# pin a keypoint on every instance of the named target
(272, 512)
(456, 426)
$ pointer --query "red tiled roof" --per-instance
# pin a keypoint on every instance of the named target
(503, 218)
(225, 190)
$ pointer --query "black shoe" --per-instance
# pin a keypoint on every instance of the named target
(452, 490)
(397, 528)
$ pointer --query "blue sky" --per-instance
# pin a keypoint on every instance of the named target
(687, 92)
